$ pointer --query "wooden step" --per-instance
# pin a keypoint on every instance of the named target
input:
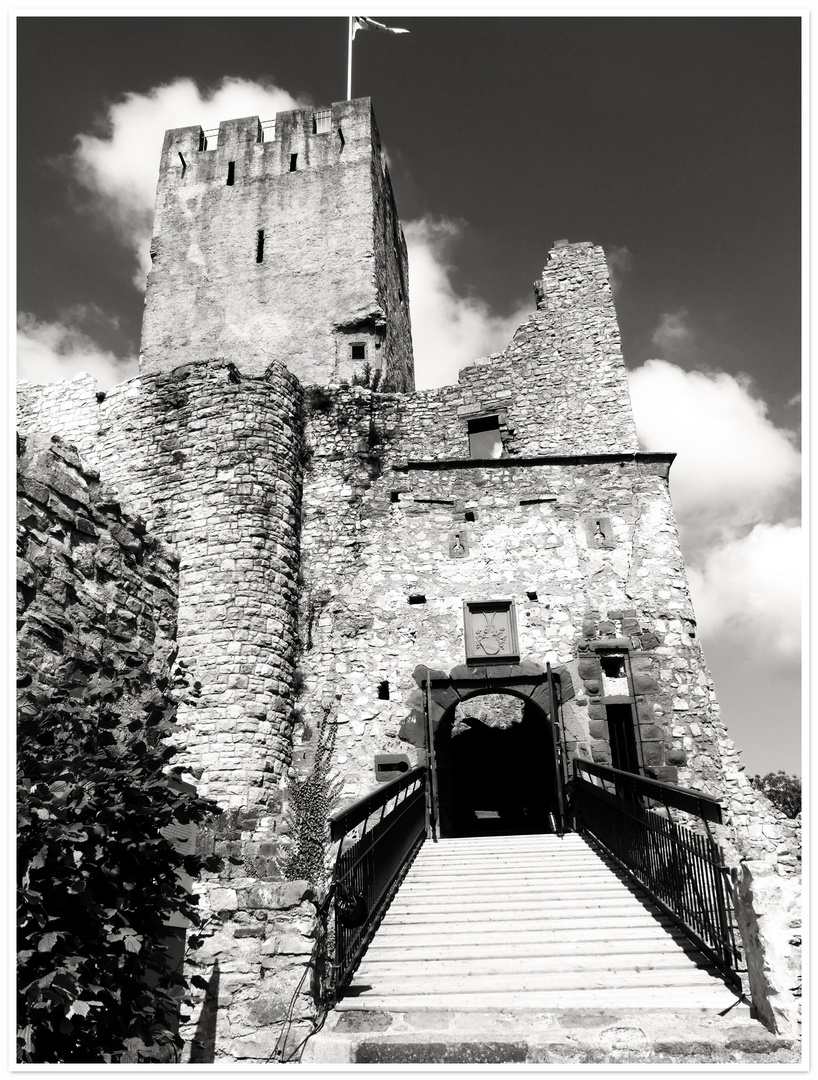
(510, 945)
(716, 997)
(378, 969)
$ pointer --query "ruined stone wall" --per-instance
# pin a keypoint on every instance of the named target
(560, 386)
(318, 281)
(96, 593)
(65, 409)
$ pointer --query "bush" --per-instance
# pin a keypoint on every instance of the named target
(97, 881)
(783, 791)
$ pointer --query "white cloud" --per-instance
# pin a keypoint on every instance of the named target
(50, 352)
(619, 260)
(674, 334)
(449, 331)
(119, 163)
(748, 590)
(734, 467)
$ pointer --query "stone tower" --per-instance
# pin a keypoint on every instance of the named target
(279, 241)
(339, 544)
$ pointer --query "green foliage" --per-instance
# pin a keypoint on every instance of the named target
(97, 881)
(783, 791)
(367, 377)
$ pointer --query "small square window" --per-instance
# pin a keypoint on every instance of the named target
(484, 437)
(357, 351)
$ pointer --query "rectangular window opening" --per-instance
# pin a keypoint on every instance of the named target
(260, 246)
(231, 173)
(322, 122)
(357, 351)
(470, 515)
(613, 666)
(293, 162)
(383, 690)
(394, 496)
(484, 437)
(532, 596)
(417, 598)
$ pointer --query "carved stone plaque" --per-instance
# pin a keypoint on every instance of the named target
(491, 632)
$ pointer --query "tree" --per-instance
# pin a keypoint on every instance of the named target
(783, 791)
(97, 880)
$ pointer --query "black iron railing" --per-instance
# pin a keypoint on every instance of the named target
(682, 870)
(380, 835)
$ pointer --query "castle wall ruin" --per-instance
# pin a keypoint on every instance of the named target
(328, 534)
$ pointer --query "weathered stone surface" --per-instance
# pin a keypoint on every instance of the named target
(312, 535)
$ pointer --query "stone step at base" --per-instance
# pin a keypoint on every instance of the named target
(557, 1037)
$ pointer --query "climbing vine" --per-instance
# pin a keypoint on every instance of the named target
(97, 880)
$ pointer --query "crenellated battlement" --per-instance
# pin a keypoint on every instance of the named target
(291, 141)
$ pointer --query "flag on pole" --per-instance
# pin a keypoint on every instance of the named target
(360, 22)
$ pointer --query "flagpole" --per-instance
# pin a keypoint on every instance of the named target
(349, 63)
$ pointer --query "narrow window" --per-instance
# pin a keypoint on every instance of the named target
(484, 437)
(260, 246)
(622, 738)
(358, 351)
(184, 163)
(417, 598)
(293, 162)
(231, 173)
(341, 139)
(383, 690)
(532, 596)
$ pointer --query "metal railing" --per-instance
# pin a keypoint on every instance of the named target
(380, 835)
(682, 871)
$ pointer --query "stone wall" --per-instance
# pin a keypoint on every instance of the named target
(96, 592)
(303, 614)
(320, 279)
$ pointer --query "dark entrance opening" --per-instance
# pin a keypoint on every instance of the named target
(496, 769)
(622, 738)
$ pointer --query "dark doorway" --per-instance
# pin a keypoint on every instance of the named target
(496, 769)
(622, 738)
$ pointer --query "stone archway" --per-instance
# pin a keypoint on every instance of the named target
(534, 742)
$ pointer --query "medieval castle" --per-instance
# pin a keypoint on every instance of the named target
(343, 562)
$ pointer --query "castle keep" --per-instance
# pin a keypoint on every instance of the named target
(483, 578)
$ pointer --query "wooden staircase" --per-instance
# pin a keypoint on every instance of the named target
(532, 921)
(536, 950)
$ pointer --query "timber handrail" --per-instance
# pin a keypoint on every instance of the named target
(371, 866)
(680, 868)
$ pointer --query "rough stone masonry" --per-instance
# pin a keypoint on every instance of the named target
(329, 522)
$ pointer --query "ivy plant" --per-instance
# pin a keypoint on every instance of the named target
(97, 880)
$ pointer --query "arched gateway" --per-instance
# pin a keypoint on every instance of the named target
(486, 778)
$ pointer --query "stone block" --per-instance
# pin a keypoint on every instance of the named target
(589, 668)
(653, 753)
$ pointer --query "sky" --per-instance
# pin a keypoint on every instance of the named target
(674, 142)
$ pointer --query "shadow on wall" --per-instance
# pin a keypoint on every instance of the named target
(203, 1045)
